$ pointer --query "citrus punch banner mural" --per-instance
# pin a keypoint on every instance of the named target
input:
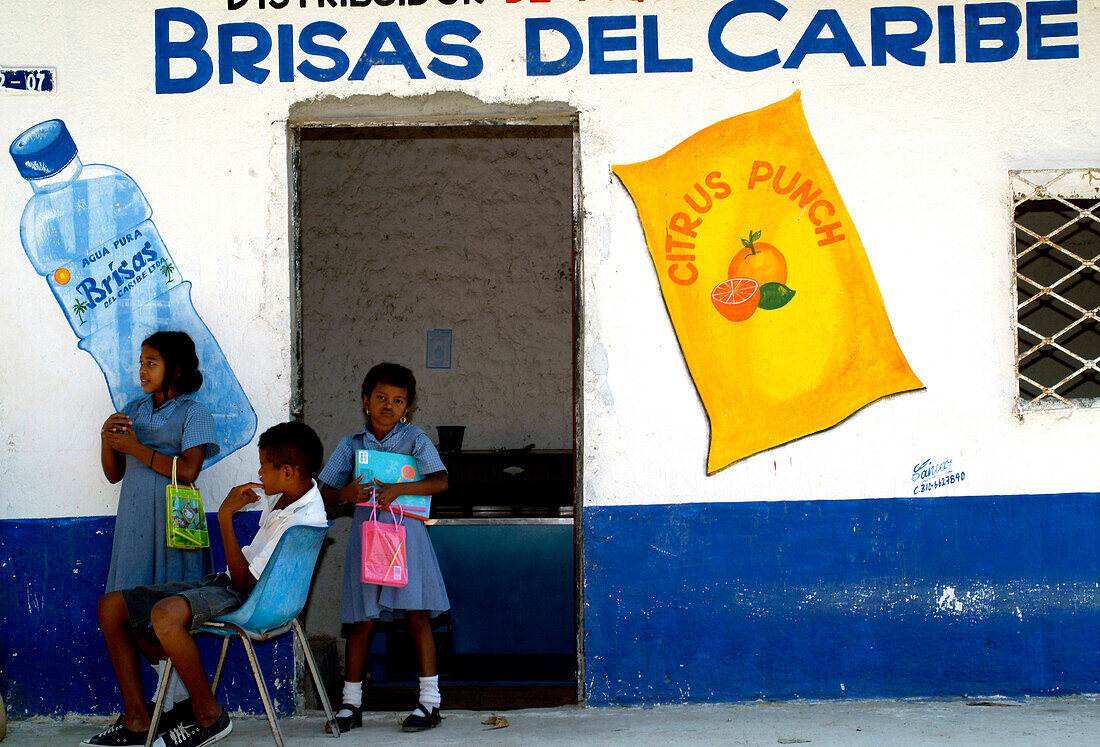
(766, 281)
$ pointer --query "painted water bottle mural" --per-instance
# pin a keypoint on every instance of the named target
(88, 230)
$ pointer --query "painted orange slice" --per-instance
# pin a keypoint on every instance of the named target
(737, 298)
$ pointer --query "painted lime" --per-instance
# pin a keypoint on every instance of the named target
(775, 296)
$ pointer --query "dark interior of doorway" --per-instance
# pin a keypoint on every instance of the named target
(404, 231)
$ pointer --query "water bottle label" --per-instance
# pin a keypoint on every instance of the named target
(130, 270)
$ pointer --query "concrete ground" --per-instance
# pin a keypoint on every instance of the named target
(1028, 721)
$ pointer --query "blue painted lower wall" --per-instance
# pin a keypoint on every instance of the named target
(52, 657)
(828, 599)
(697, 602)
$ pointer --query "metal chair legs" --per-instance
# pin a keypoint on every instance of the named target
(254, 665)
(315, 673)
(162, 693)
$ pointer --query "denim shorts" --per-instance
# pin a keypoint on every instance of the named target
(212, 596)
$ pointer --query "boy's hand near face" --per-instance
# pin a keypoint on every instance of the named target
(238, 498)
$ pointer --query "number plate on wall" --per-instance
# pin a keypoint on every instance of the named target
(27, 80)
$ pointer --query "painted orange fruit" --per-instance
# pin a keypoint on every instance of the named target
(758, 260)
(62, 276)
(737, 298)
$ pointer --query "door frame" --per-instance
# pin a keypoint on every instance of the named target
(545, 119)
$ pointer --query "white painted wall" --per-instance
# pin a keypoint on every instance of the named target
(920, 155)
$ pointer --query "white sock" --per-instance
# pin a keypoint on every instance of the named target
(353, 696)
(169, 698)
(177, 691)
(429, 691)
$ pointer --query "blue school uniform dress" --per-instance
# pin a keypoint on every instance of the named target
(140, 555)
(425, 590)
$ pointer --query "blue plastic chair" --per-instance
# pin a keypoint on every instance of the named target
(270, 611)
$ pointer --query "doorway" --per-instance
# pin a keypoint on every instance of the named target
(450, 248)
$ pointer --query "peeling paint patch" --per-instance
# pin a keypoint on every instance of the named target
(606, 397)
(948, 602)
(596, 358)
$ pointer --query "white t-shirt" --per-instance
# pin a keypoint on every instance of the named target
(309, 510)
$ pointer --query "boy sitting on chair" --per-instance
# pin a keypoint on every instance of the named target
(159, 620)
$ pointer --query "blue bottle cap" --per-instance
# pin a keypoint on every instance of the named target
(43, 150)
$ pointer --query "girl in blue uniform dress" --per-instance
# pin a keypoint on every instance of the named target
(137, 448)
(389, 394)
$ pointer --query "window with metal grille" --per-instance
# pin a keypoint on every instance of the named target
(1056, 222)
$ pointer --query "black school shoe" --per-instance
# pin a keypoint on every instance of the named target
(173, 717)
(352, 720)
(116, 735)
(421, 719)
(190, 734)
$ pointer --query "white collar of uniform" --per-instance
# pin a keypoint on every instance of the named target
(306, 500)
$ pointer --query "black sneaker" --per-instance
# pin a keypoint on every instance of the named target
(190, 734)
(116, 735)
(347, 717)
(421, 719)
(179, 713)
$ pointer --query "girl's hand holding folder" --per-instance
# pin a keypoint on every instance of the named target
(355, 491)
